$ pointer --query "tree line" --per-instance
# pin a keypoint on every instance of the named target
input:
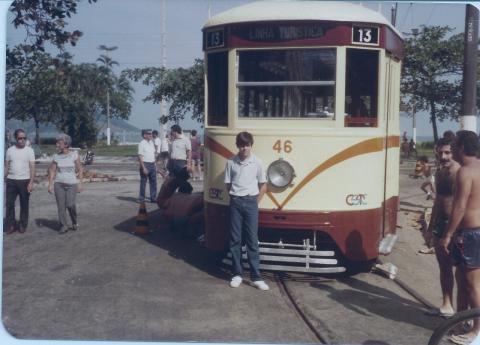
(54, 89)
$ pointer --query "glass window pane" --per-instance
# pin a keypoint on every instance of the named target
(287, 65)
(286, 101)
(361, 88)
(217, 78)
(287, 83)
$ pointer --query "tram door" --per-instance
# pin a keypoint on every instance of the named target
(392, 93)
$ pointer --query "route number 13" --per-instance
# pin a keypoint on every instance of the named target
(365, 35)
(285, 147)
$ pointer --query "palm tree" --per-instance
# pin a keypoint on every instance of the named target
(108, 64)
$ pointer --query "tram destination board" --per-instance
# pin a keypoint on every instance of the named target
(365, 35)
(278, 33)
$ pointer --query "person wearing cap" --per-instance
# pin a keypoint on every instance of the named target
(148, 169)
(19, 176)
(63, 171)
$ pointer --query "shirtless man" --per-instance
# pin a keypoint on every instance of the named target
(442, 207)
(462, 238)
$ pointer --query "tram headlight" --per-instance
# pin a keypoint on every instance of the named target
(280, 173)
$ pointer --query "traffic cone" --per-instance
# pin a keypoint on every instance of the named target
(142, 222)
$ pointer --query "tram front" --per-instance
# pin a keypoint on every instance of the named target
(317, 84)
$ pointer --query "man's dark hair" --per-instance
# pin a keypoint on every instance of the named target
(445, 141)
(449, 135)
(155, 132)
(194, 132)
(423, 159)
(176, 129)
(469, 141)
(144, 131)
(244, 139)
(18, 130)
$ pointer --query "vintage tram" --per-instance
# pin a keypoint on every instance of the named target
(318, 85)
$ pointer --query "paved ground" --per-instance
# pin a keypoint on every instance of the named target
(103, 282)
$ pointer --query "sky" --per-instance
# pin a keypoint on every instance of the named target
(134, 26)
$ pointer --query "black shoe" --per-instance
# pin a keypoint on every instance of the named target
(22, 229)
(74, 227)
(63, 230)
(10, 230)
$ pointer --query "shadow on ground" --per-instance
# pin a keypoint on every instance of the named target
(364, 298)
(178, 244)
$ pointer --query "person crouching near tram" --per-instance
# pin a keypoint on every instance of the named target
(63, 171)
(245, 180)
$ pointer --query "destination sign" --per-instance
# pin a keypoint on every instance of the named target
(215, 39)
(365, 35)
(287, 32)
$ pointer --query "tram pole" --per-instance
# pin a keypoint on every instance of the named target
(469, 94)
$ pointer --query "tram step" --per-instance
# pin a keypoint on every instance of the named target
(295, 251)
(304, 269)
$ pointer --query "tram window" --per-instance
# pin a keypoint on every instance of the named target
(217, 75)
(361, 88)
(286, 83)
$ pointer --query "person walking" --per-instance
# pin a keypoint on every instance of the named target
(158, 143)
(462, 238)
(148, 169)
(62, 180)
(245, 180)
(195, 144)
(442, 207)
(181, 153)
(19, 178)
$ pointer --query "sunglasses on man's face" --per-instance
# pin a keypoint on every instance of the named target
(21, 138)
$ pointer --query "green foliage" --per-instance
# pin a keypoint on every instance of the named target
(181, 87)
(431, 73)
(44, 21)
(69, 95)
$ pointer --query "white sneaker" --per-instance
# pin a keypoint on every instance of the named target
(236, 281)
(260, 284)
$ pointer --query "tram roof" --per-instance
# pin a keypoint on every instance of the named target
(298, 10)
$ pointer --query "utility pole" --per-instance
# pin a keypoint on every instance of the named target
(163, 106)
(393, 18)
(469, 109)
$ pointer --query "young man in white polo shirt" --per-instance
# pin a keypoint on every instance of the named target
(148, 169)
(19, 177)
(245, 179)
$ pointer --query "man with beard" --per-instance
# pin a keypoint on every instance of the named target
(442, 207)
(462, 238)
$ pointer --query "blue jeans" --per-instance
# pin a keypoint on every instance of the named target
(152, 180)
(244, 220)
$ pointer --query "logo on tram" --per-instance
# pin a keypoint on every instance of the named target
(215, 193)
(356, 199)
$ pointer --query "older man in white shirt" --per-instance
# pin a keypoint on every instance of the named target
(148, 169)
(19, 177)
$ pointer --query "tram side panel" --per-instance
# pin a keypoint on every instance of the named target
(338, 191)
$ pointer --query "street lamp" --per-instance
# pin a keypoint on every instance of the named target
(108, 65)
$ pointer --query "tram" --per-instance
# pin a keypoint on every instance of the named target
(317, 84)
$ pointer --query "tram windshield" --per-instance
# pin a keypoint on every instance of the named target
(297, 83)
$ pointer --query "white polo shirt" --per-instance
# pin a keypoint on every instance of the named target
(244, 176)
(19, 162)
(146, 149)
(180, 147)
(158, 143)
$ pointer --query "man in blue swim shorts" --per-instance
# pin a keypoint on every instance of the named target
(442, 207)
(464, 229)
